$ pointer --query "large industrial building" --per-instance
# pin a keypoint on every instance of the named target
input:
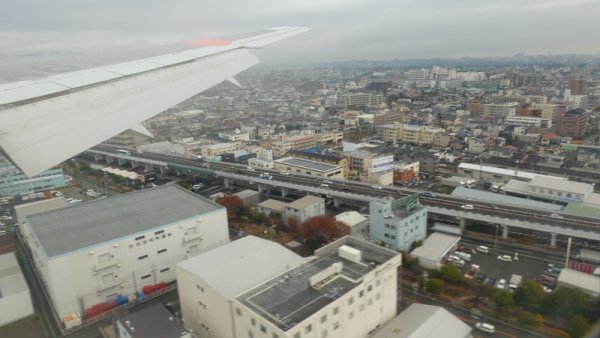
(93, 252)
(15, 298)
(256, 288)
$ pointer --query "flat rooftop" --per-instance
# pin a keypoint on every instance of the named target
(289, 299)
(83, 225)
(153, 322)
(504, 199)
(307, 164)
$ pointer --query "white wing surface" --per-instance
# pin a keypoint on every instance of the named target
(47, 121)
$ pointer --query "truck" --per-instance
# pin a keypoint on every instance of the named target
(588, 255)
(514, 282)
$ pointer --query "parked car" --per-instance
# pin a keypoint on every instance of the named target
(501, 284)
(485, 327)
(556, 216)
(505, 258)
(480, 278)
(483, 249)
(467, 206)
(284, 173)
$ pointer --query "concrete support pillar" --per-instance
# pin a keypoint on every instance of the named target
(98, 157)
(504, 231)
(462, 223)
(148, 167)
(226, 182)
(553, 240)
(284, 191)
(109, 159)
(121, 161)
(162, 169)
(261, 188)
(336, 202)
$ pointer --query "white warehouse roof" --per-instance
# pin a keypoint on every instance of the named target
(241, 265)
(435, 246)
(425, 321)
(589, 284)
(500, 171)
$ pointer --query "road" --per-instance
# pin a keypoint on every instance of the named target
(438, 200)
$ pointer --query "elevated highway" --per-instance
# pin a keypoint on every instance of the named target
(506, 216)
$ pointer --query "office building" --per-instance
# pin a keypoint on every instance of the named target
(217, 149)
(259, 289)
(93, 252)
(13, 182)
(397, 222)
(299, 210)
(345, 101)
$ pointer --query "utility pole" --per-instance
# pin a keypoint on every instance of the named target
(568, 253)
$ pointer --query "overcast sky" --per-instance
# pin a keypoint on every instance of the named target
(38, 36)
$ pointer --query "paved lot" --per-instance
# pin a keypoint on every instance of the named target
(497, 269)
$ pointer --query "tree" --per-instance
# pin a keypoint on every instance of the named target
(539, 320)
(184, 184)
(232, 203)
(415, 245)
(526, 318)
(503, 300)
(578, 326)
(451, 273)
(530, 295)
(567, 302)
(323, 229)
(435, 286)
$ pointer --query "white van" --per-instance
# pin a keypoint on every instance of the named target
(485, 327)
(323, 185)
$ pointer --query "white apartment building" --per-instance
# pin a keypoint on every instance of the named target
(360, 100)
(500, 109)
(235, 135)
(528, 121)
(217, 149)
(397, 222)
(260, 290)
(92, 252)
(408, 133)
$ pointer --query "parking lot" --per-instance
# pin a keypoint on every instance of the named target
(492, 269)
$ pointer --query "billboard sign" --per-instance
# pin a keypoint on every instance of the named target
(384, 163)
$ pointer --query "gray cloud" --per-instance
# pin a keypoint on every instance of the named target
(36, 35)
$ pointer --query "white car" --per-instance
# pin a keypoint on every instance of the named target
(501, 284)
(505, 258)
(556, 216)
(485, 327)
(467, 206)
(284, 173)
(483, 249)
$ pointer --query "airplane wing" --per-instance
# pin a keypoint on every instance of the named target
(47, 121)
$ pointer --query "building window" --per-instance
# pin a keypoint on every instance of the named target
(336, 325)
(351, 300)
(370, 287)
(146, 276)
(336, 310)
(161, 251)
(297, 335)
(159, 232)
(142, 257)
(250, 334)
(139, 237)
(263, 328)
(386, 235)
(238, 312)
(324, 333)
(275, 335)
(361, 293)
(351, 315)
(393, 237)
(164, 270)
(253, 321)
(361, 308)
(308, 329)
(323, 319)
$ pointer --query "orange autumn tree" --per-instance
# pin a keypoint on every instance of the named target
(232, 203)
(319, 230)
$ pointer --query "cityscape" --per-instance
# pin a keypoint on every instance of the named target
(195, 193)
